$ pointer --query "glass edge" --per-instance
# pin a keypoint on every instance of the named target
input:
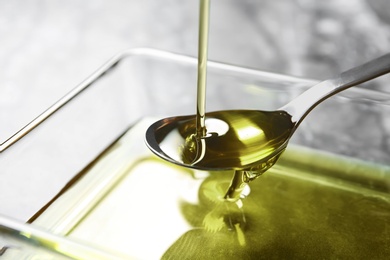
(37, 237)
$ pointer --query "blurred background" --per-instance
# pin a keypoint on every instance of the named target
(47, 47)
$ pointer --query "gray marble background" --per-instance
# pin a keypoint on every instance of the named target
(49, 46)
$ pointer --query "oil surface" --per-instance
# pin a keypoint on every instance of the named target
(287, 217)
(306, 206)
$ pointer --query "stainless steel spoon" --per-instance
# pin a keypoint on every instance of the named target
(248, 140)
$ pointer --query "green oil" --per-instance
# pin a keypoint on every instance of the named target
(309, 205)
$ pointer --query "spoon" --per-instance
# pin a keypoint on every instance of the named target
(248, 140)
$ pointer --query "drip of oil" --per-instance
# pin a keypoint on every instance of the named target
(243, 138)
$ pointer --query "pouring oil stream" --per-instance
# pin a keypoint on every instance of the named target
(238, 182)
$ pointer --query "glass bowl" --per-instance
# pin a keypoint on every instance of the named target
(78, 181)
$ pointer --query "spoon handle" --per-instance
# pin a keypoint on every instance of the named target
(299, 107)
